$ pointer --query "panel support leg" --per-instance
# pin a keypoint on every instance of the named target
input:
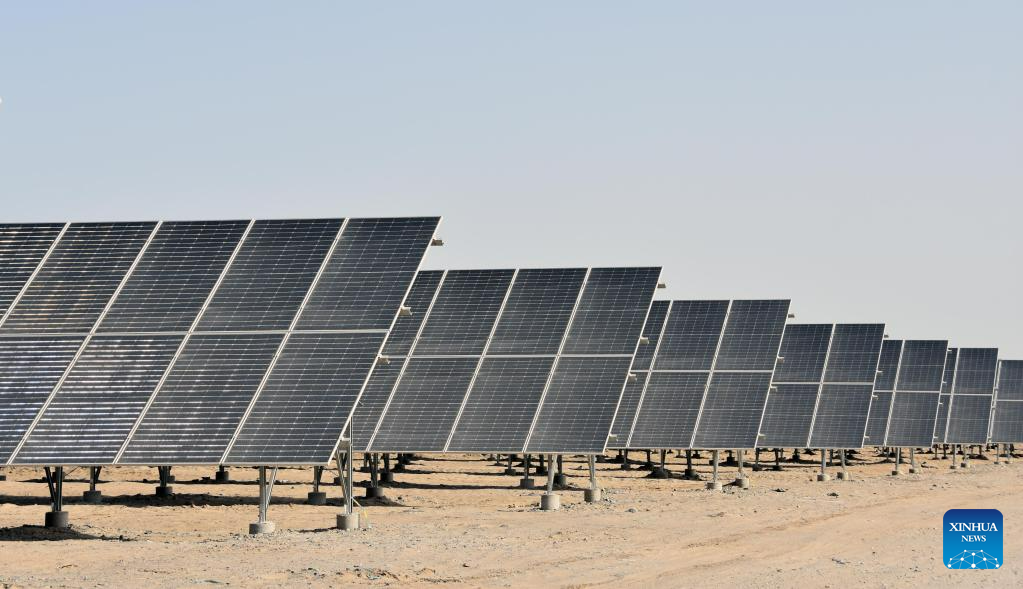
(93, 495)
(625, 460)
(756, 460)
(510, 470)
(741, 481)
(965, 462)
(388, 475)
(223, 476)
(560, 479)
(266, 487)
(952, 465)
(823, 474)
(661, 471)
(550, 501)
(898, 462)
(777, 459)
(56, 517)
(690, 472)
(592, 495)
(714, 484)
(317, 497)
(349, 520)
(526, 482)
(998, 454)
(912, 461)
(843, 475)
(164, 490)
(374, 491)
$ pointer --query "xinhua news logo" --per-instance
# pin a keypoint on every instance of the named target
(972, 539)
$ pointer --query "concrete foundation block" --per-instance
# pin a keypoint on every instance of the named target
(526, 483)
(316, 498)
(511, 471)
(57, 519)
(896, 473)
(964, 465)
(550, 502)
(3, 477)
(912, 470)
(742, 483)
(714, 486)
(374, 492)
(842, 476)
(164, 492)
(690, 475)
(823, 477)
(561, 480)
(592, 495)
(92, 496)
(348, 521)
(222, 477)
(262, 528)
(387, 478)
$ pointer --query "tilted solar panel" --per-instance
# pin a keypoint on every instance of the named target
(22, 247)
(946, 394)
(843, 405)
(914, 405)
(884, 384)
(972, 391)
(788, 415)
(268, 332)
(1007, 417)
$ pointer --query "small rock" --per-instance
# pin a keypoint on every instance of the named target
(833, 494)
(779, 490)
(631, 510)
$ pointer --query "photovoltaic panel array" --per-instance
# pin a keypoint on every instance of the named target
(705, 383)
(209, 342)
(1007, 418)
(914, 400)
(968, 416)
(511, 361)
(790, 408)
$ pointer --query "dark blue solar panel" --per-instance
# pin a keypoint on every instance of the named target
(174, 277)
(652, 332)
(841, 418)
(299, 414)
(399, 342)
(29, 369)
(612, 311)
(788, 415)
(923, 365)
(98, 403)
(22, 247)
(270, 275)
(368, 273)
(888, 365)
(877, 422)
(691, 335)
(537, 312)
(198, 408)
(804, 348)
(752, 335)
(371, 403)
(1010, 380)
(951, 358)
(627, 410)
(579, 407)
(670, 406)
(854, 353)
(975, 371)
(501, 405)
(424, 405)
(732, 410)
(912, 419)
(464, 313)
(77, 280)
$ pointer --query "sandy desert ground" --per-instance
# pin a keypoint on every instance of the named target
(457, 520)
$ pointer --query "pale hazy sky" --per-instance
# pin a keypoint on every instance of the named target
(863, 160)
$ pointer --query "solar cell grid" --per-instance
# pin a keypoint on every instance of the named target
(610, 316)
(841, 418)
(691, 336)
(22, 248)
(805, 349)
(854, 353)
(652, 332)
(537, 312)
(464, 313)
(752, 335)
(81, 273)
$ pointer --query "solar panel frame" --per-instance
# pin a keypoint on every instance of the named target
(796, 385)
(971, 397)
(1007, 411)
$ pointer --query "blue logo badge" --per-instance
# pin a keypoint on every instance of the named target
(973, 539)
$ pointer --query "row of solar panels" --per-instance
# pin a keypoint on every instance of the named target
(263, 342)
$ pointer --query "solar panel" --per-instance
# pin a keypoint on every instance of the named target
(22, 247)
(488, 371)
(914, 404)
(30, 366)
(788, 415)
(690, 399)
(201, 342)
(1007, 417)
(970, 401)
(946, 393)
(96, 405)
(77, 278)
(641, 365)
(884, 385)
(846, 393)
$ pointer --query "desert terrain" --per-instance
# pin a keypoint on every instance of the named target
(459, 521)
